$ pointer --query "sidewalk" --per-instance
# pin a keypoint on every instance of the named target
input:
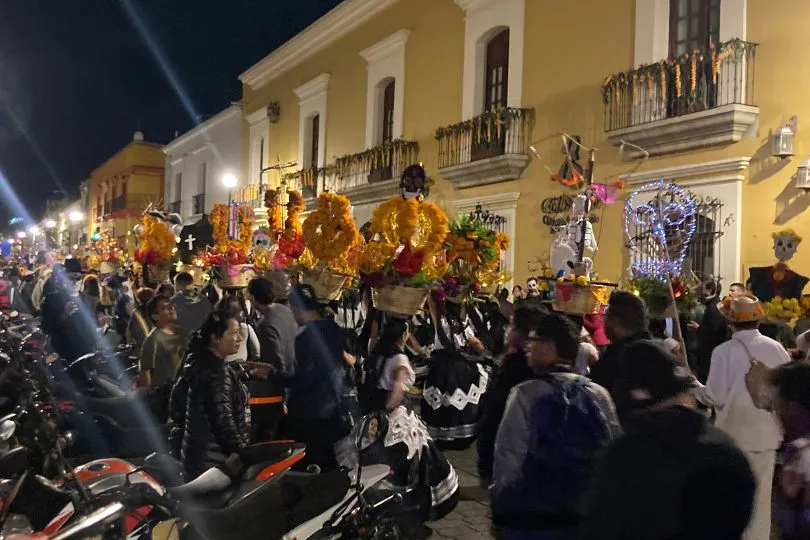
(471, 518)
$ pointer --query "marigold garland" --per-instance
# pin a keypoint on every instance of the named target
(330, 232)
(157, 242)
(227, 250)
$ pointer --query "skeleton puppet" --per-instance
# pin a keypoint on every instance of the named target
(568, 248)
(779, 280)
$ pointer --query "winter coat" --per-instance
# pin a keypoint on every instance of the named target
(214, 422)
(522, 453)
(671, 475)
(276, 331)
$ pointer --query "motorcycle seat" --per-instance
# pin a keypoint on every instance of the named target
(291, 499)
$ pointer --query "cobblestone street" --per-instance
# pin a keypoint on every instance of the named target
(471, 518)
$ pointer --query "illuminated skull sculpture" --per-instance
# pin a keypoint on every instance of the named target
(785, 244)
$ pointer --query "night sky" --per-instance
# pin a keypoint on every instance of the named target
(79, 77)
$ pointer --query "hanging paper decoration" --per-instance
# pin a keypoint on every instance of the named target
(669, 218)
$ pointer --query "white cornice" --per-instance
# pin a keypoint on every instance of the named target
(731, 169)
(256, 116)
(342, 20)
(394, 43)
(310, 89)
(471, 6)
(492, 202)
(189, 135)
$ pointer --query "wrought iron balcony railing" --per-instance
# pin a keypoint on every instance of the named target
(705, 79)
(494, 133)
(377, 164)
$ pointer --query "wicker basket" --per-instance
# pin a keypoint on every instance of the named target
(195, 271)
(328, 286)
(579, 299)
(159, 273)
(236, 276)
(399, 300)
(110, 267)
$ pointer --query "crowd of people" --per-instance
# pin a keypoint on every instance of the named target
(595, 427)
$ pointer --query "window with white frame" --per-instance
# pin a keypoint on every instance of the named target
(258, 150)
(312, 124)
(493, 54)
(385, 82)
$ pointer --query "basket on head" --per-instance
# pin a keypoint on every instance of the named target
(236, 276)
(399, 300)
(195, 272)
(579, 299)
(328, 286)
(160, 272)
(110, 267)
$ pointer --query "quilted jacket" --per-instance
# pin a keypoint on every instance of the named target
(208, 414)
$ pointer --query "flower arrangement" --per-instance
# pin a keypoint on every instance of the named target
(331, 234)
(290, 245)
(474, 254)
(656, 295)
(272, 198)
(227, 250)
(407, 248)
(783, 309)
(157, 241)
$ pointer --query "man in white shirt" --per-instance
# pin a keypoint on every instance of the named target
(755, 431)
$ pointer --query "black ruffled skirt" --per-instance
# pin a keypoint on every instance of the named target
(452, 399)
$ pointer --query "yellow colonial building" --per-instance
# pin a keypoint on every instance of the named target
(482, 92)
(122, 187)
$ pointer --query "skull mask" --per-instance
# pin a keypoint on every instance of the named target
(785, 245)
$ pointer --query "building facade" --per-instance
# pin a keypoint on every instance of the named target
(482, 91)
(122, 187)
(197, 161)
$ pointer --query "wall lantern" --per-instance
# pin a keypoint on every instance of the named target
(783, 139)
(803, 175)
(274, 112)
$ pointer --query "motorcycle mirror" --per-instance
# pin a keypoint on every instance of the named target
(370, 429)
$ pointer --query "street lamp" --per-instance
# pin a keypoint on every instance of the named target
(76, 216)
(34, 230)
(50, 223)
(21, 234)
(229, 180)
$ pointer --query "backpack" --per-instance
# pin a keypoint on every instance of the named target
(568, 430)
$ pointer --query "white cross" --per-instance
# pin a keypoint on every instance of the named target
(190, 241)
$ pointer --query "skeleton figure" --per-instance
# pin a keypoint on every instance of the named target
(785, 244)
(574, 239)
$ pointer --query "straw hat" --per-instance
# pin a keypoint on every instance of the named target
(742, 309)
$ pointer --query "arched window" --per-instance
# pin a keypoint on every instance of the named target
(497, 71)
(388, 111)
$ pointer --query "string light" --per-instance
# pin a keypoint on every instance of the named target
(676, 218)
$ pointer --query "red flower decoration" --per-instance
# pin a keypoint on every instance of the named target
(291, 245)
(409, 262)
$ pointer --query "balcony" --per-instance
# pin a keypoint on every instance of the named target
(694, 101)
(251, 194)
(487, 149)
(198, 204)
(372, 175)
(306, 181)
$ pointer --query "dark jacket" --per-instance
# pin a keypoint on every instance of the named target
(712, 332)
(671, 476)
(213, 421)
(607, 372)
(72, 335)
(276, 331)
(511, 373)
(316, 389)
